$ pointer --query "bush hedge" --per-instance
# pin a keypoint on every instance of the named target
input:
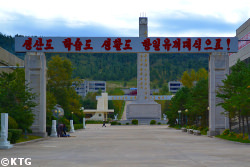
(16, 134)
(94, 122)
(12, 124)
(78, 126)
(114, 123)
(134, 122)
(48, 130)
(152, 122)
(9, 136)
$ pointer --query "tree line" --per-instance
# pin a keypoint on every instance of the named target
(192, 99)
(235, 95)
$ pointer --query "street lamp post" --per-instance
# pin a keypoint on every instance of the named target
(186, 116)
(179, 118)
(72, 114)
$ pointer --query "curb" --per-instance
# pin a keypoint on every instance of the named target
(32, 141)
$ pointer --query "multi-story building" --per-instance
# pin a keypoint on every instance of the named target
(174, 86)
(243, 34)
(90, 86)
(133, 91)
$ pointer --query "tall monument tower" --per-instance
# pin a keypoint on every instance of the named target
(144, 107)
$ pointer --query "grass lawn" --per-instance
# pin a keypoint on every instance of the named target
(120, 84)
(29, 137)
(233, 138)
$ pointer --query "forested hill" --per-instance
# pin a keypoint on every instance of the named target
(123, 67)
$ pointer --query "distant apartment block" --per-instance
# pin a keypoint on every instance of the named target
(133, 91)
(90, 86)
(174, 86)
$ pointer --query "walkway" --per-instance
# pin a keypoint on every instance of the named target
(132, 146)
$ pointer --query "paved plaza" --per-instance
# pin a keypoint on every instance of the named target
(132, 146)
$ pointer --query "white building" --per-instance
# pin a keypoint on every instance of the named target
(243, 34)
(174, 86)
(90, 86)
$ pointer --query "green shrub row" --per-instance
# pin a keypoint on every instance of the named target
(15, 134)
(9, 136)
(232, 136)
(152, 122)
(134, 122)
(94, 122)
(78, 126)
(115, 123)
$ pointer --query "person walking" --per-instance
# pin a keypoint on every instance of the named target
(103, 125)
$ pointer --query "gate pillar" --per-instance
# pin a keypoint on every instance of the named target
(218, 69)
(35, 75)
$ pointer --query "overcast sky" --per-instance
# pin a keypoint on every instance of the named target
(103, 18)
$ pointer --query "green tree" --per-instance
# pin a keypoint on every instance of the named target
(198, 102)
(16, 98)
(188, 78)
(178, 102)
(60, 86)
(201, 74)
(235, 94)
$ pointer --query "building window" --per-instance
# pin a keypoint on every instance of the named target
(100, 115)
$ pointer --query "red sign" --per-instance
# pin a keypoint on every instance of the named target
(127, 44)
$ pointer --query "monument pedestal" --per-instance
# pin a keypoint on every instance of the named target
(143, 111)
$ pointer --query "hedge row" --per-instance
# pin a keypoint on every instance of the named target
(94, 122)
(78, 126)
(14, 135)
(134, 122)
(115, 123)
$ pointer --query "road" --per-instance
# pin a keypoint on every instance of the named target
(131, 146)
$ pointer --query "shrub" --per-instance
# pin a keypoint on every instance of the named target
(194, 127)
(16, 134)
(9, 136)
(114, 123)
(225, 132)
(246, 137)
(78, 126)
(12, 124)
(119, 123)
(239, 136)
(67, 128)
(48, 130)
(159, 123)
(231, 134)
(127, 123)
(93, 122)
(200, 128)
(63, 120)
(134, 122)
(152, 122)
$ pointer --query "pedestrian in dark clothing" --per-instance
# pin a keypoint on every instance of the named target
(60, 130)
(103, 124)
